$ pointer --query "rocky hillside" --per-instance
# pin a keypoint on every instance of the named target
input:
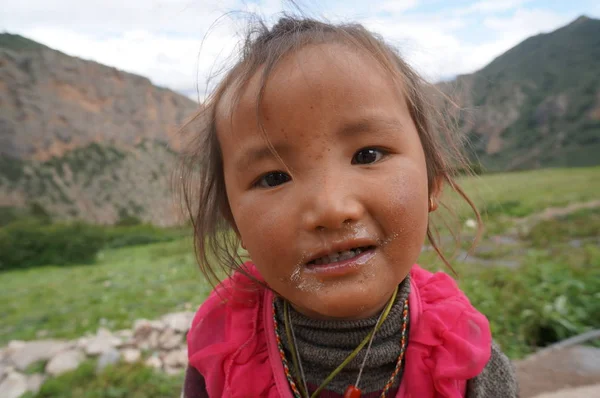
(538, 104)
(84, 140)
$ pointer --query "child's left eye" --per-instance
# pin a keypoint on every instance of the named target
(367, 156)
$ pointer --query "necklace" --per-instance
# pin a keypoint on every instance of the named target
(301, 391)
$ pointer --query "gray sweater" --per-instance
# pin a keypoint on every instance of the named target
(325, 344)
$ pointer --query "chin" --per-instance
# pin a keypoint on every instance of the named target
(354, 304)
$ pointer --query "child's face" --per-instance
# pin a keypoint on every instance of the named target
(358, 180)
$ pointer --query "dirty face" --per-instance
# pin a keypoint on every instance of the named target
(338, 224)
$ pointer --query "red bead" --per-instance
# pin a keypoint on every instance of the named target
(352, 392)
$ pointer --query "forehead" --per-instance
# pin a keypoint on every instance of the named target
(307, 92)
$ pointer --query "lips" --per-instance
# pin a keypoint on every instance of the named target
(340, 251)
(337, 256)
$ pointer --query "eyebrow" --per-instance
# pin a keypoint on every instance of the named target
(368, 124)
(261, 152)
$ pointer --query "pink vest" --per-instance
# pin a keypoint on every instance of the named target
(232, 340)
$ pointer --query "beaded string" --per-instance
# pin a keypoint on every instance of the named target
(286, 368)
(403, 343)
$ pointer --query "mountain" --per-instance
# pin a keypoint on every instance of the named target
(81, 140)
(84, 140)
(538, 104)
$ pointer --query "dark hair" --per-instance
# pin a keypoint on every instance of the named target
(201, 180)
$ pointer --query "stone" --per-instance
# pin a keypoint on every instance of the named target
(102, 342)
(34, 382)
(124, 334)
(176, 358)
(169, 339)
(13, 386)
(82, 342)
(179, 321)
(142, 327)
(15, 345)
(148, 342)
(154, 362)
(23, 355)
(158, 325)
(131, 355)
(5, 370)
(107, 358)
(65, 362)
(173, 371)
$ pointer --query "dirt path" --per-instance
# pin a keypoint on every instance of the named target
(552, 212)
(576, 392)
(558, 370)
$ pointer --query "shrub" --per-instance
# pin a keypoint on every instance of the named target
(29, 243)
(542, 302)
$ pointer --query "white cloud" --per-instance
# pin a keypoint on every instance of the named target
(397, 6)
(162, 39)
(491, 6)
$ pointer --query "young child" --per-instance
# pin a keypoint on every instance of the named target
(321, 150)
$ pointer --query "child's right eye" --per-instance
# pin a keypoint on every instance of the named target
(272, 179)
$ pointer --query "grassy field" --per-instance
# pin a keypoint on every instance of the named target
(538, 281)
(124, 285)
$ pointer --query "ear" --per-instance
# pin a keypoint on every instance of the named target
(435, 193)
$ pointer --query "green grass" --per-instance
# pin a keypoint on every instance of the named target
(125, 284)
(553, 294)
(580, 224)
(120, 381)
(521, 194)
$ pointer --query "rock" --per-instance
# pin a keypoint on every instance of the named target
(158, 325)
(148, 342)
(34, 382)
(82, 342)
(124, 334)
(13, 386)
(107, 358)
(173, 371)
(102, 342)
(64, 362)
(176, 358)
(15, 345)
(154, 362)
(142, 327)
(23, 355)
(169, 339)
(5, 370)
(131, 355)
(179, 321)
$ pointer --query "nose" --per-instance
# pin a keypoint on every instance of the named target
(332, 205)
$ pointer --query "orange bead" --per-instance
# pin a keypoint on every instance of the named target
(352, 392)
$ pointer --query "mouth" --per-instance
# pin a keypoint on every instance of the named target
(341, 259)
(340, 256)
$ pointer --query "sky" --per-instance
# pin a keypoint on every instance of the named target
(179, 44)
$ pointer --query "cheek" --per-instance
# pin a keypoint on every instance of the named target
(405, 207)
(266, 231)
